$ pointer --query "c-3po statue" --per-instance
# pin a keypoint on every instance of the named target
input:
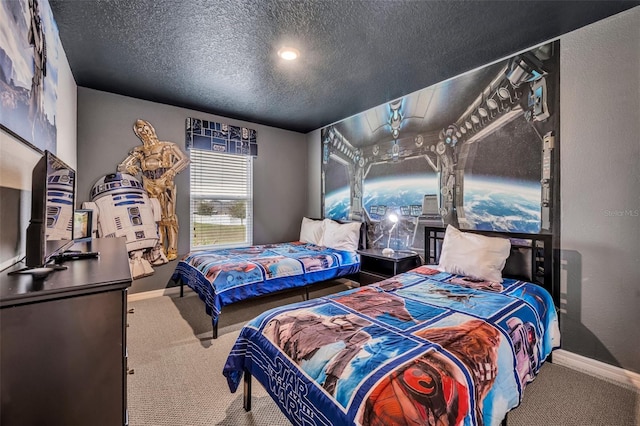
(159, 162)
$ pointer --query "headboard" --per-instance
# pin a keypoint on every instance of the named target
(531, 257)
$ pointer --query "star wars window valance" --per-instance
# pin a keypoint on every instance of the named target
(223, 138)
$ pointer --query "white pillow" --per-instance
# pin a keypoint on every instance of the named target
(473, 255)
(341, 236)
(312, 231)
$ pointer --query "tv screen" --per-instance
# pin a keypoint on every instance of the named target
(50, 229)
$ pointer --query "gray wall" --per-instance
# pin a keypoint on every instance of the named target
(600, 177)
(600, 190)
(105, 137)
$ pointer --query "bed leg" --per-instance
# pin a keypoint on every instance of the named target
(214, 323)
(504, 422)
(306, 292)
(181, 288)
(246, 402)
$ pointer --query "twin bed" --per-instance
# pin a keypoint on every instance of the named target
(326, 251)
(436, 345)
(454, 343)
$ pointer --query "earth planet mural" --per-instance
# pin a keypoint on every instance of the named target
(489, 203)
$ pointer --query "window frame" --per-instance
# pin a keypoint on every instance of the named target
(248, 198)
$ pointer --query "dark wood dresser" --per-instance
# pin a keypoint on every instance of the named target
(63, 355)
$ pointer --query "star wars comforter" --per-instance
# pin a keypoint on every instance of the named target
(221, 277)
(423, 347)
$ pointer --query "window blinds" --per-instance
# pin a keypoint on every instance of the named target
(221, 209)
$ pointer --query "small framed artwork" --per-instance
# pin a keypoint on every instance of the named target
(82, 225)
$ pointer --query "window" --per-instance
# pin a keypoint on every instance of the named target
(221, 209)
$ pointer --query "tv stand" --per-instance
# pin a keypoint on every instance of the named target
(63, 340)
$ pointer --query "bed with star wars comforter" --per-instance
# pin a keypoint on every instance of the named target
(423, 347)
(224, 276)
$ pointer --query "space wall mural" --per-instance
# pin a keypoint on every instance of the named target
(477, 152)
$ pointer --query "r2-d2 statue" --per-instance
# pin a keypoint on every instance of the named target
(123, 209)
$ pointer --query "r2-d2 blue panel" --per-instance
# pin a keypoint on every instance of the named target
(125, 210)
(60, 204)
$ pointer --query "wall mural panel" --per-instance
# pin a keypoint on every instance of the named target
(476, 152)
(29, 56)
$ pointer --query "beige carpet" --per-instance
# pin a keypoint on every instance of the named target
(178, 377)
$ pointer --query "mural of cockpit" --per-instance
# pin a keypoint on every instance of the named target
(475, 151)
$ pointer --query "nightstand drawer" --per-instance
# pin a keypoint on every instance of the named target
(377, 266)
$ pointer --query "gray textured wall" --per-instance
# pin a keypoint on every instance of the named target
(600, 176)
(600, 190)
(105, 137)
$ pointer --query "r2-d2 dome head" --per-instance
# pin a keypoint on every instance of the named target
(125, 210)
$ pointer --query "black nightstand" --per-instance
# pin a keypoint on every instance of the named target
(374, 266)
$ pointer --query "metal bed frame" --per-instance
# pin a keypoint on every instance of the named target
(541, 254)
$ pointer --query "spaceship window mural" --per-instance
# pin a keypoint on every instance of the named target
(478, 152)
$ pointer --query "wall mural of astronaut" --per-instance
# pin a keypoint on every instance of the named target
(477, 152)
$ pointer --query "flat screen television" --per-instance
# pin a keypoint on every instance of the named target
(50, 230)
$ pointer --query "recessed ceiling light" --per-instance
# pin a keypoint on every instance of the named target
(288, 53)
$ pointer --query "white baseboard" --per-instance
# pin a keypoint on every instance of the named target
(171, 292)
(601, 370)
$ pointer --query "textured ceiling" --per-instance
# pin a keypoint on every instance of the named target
(220, 56)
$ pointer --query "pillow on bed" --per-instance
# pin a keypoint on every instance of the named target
(473, 255)
(341, 236)
(312, 231)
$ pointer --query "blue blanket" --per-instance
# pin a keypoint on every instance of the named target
(221, 277)
(423, 347)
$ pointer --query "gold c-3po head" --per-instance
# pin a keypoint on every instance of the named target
(145, 131)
